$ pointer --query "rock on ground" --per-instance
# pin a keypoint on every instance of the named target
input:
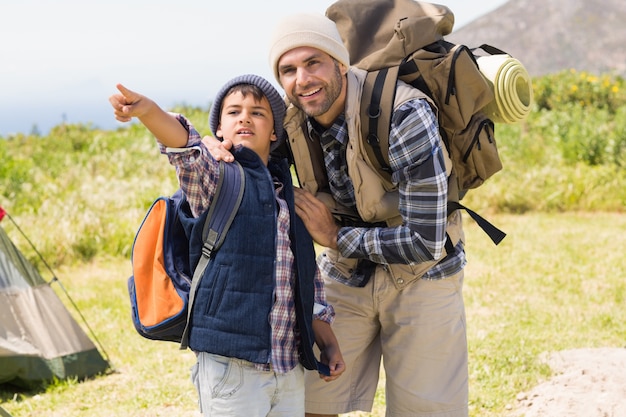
(587, 383)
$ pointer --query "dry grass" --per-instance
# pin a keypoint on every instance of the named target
(556, 282)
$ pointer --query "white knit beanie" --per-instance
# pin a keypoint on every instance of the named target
(307, 29)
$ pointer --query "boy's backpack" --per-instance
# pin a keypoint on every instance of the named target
(162, 286)
(403, 39)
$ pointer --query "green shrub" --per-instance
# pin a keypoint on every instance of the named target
(554, 91)
(80, 192)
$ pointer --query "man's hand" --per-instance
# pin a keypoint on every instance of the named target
(317, 218)
(220, 150)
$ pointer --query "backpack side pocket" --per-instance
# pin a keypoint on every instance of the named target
(474, 152)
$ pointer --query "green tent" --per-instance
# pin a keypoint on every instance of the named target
(39, 339)
(4, 413)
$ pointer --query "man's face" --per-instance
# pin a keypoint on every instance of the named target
(313, 82)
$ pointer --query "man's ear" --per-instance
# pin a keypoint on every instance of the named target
(343, 69)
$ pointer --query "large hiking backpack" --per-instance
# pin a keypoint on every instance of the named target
(162, 286)
(404, 39)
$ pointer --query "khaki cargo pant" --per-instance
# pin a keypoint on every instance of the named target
(420, 335)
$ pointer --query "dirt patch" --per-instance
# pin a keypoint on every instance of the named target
(587, 383)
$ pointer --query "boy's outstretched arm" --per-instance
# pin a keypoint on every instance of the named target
(163, 125)
(329, 347)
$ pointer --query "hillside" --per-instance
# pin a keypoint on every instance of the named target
(548, 36)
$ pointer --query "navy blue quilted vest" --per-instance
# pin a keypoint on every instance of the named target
(230, 316)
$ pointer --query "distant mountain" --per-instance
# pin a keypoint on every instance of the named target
(548, 36)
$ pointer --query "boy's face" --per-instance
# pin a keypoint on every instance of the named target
(248, 122)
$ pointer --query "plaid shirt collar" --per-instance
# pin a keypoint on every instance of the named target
(337, 131)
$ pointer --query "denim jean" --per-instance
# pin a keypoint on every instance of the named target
(229, 387)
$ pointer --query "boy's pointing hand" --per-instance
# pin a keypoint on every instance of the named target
(128, 104)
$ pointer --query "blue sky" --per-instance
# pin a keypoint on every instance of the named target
(60, 60)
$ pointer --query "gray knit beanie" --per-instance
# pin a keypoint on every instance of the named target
(277, 104)
(307, 29)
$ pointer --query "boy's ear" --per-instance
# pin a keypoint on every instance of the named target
(273, 137)
(218, 131)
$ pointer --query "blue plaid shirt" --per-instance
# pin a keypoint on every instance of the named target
(418, 169)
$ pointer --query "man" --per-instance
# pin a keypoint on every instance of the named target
(396, 290)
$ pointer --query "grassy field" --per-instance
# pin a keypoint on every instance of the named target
(556, 282)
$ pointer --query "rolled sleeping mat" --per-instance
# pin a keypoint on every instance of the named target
(511, 86)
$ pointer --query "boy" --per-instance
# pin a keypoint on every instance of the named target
(247, 326)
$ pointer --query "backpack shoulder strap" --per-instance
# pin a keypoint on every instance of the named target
(223, 207)
(221, 213)
(379, 90)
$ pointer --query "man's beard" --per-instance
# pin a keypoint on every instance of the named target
(332, 91)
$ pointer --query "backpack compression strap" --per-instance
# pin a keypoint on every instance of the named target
(222, 211)
(492, 231)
